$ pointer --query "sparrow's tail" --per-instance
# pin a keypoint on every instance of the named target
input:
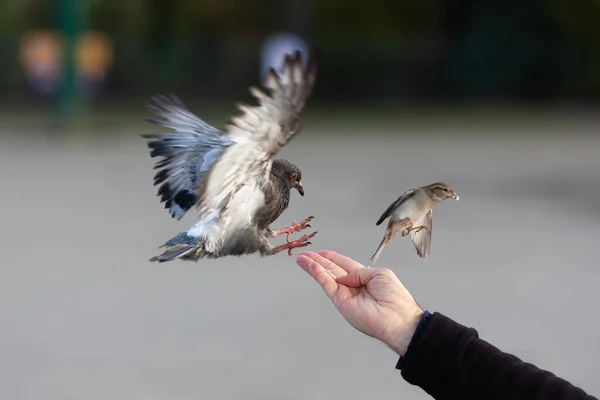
(384, 241)
(182, 246)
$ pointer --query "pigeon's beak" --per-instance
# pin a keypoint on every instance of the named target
(299, 188)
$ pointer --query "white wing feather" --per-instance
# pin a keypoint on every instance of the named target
(422, 239)
(187, 153)
(235, 181)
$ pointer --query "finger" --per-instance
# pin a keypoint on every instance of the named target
(329, 265)
(318, 273)
(346, 263)
(357, 278)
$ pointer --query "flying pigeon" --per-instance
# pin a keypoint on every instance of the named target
(231, 177)
(411, 215)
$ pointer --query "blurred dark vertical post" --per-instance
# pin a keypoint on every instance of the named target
(300, 18)
(71, 20)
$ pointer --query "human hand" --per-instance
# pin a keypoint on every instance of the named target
(372, 300)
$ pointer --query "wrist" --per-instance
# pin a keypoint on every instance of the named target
(399, 339)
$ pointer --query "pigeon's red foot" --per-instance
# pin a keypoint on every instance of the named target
(294, 227)
(302, 242)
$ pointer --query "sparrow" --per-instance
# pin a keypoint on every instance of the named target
(231, 177)
(411, 214)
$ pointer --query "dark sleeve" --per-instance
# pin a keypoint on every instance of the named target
(449, 361)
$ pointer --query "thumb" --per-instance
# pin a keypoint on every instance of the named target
(357, 278)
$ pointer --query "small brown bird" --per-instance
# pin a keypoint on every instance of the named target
(411, 214)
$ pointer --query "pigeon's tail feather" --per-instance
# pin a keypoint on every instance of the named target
(182, 246)
(384, 241)
(172, 253)
(186, 154)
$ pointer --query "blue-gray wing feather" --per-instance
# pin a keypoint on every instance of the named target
(187, 153)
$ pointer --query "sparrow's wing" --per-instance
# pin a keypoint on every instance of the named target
(390, 210)
(187, 153)
(266, 128)
(422, 238)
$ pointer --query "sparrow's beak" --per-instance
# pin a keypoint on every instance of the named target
(455, 196)
(299, 188)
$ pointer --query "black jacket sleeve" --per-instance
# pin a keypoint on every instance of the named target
(449, 361)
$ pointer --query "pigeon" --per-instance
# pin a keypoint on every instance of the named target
(231, 177)
(411, 215)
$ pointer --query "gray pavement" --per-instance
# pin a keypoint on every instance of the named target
(84, 315)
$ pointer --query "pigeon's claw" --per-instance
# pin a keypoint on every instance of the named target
(294, 227)
(302, 242)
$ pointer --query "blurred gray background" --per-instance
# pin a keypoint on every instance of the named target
(499, 101)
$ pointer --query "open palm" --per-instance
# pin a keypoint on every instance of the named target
(372, 300)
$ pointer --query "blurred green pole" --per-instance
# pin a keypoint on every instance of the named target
(71, 18)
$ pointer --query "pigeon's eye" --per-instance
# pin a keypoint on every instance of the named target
(293, 176)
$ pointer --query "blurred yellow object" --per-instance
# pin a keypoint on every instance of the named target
(41, 55)
(93, 55)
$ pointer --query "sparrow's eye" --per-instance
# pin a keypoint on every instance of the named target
(293, 176)
(445, 189)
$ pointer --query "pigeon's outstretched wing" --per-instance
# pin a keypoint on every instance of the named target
(242, 169)
(390, 210)
(187, 153)
(422, 238)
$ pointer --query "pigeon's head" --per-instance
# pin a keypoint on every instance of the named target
(289, 172)
(440, 191)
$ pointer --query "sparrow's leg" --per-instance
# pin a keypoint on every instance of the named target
(288, 230)
(302, 242)
(406, 225)
(418, 228)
